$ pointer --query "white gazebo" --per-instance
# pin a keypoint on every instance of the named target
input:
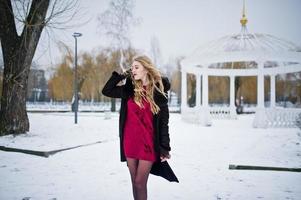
(269, 55)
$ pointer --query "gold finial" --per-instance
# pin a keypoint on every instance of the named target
(244, 19)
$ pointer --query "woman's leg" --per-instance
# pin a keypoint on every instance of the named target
(140, 182)
(133, 166)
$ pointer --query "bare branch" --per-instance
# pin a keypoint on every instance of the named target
(66, 15)
(61, 14)
(116, 21)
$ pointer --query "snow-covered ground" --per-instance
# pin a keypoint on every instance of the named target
(200, 159)
(83, 106)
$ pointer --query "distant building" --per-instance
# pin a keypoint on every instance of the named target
(37, 89)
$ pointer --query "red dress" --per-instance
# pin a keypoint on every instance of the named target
(138, 141)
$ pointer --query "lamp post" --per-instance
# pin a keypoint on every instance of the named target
(75, 35)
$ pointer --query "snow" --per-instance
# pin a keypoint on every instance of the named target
(85, 106)
(200, 158)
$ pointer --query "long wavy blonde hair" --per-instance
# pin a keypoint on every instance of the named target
(154, 77)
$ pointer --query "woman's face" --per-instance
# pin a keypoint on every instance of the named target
(138, 71)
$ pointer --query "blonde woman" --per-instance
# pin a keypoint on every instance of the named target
(143, 122)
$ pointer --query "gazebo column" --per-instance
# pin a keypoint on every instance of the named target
(205, 95)
(260, 91)
(232, 97)
(204, 114)
(273, 91)
(198, 90)
(260, 86)
(260, 119)
(184, 90)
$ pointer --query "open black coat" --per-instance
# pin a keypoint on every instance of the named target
(160, 120)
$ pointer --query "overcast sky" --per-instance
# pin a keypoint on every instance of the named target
(183, 25)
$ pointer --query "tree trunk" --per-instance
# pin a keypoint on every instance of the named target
(18, 52)
(13, 115)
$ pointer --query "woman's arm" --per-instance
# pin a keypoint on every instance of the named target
(164, 132)
(111, 89)
(163, 123)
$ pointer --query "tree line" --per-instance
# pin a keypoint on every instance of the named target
(93, 71)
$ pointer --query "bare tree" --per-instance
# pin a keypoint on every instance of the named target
(176, 78)
(115, 23)
(155, 51)
(21, 25)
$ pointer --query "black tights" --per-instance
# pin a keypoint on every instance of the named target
(139, 170)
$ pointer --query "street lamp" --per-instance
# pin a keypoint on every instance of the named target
(75, 35)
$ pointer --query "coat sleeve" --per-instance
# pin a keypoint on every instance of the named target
(164, 130)
(164, 122)
(111, 89)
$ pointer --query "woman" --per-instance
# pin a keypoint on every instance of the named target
(143, 122)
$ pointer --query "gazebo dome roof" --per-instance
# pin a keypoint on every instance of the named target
(246, 42)
(245, 47)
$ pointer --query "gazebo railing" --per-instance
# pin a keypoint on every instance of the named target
(282, 117)
(221, 112)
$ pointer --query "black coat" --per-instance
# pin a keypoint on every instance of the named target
(160, 120)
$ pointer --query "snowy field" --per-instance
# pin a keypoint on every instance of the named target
(200, 159)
